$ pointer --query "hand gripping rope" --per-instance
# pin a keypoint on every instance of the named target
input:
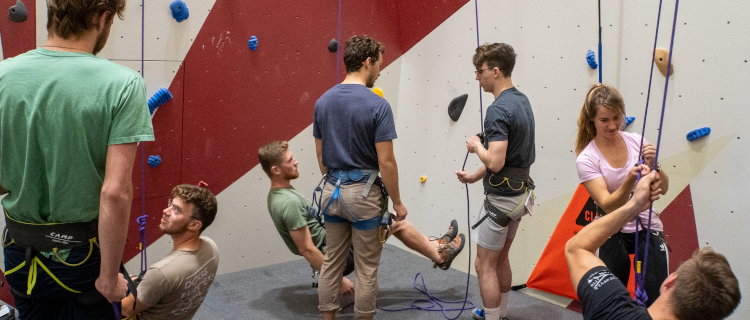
(640, 276)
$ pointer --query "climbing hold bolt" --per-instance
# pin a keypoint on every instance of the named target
(154, 161)
(158, 99)
(180, 10)
(18, 12)
(697, 133)
(591, 59)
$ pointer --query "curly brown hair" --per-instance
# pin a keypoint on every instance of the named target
(496, 55)
(598, 95)
(705, 287)
(71, 18)
(203, 201)
(358, 49)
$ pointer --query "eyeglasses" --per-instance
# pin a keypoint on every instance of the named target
(172, 206)
(480, 71)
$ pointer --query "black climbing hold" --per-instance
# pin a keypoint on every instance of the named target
(333, 45)
(18, 12)
(457, 106)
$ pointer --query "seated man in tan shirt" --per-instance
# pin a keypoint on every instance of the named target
(175, 286)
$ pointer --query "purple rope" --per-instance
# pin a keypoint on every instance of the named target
(481, 111)
(643, 298)
(338, 51)
(433, 302)
(142, 230)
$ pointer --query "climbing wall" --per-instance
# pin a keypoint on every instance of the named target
(230, 100)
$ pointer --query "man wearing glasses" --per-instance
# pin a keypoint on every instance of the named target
(174, 287)
(507, 153)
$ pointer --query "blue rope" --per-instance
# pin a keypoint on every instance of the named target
(641, 296)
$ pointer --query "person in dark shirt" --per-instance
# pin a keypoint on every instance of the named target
(703, 287)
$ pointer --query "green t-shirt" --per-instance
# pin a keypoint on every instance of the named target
(59, 111)
(288, 209)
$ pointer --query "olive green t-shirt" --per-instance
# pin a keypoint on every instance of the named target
(288, 209)
(59, 112)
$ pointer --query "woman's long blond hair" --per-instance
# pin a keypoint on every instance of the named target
(598, 95)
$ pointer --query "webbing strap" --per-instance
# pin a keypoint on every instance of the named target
(363, 225)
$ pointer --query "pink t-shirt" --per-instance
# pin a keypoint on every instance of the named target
(591, 164)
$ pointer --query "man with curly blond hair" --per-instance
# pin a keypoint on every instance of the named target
(69, 126)
(175, 286)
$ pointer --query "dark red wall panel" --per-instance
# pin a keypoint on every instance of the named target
(679, 229)
(17, 37)
(236, 99)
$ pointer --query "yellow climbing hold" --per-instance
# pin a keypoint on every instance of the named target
(422, 178)
(378, 91)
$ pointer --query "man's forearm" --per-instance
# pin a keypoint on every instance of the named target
(591, 237)
(114, 216)
(389, 174)
(314, 257)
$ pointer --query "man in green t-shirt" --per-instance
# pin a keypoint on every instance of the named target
(69, 126)
(304, 236)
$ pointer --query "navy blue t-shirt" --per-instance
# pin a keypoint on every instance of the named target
(350, 119)
(604, 297)
(510, 118)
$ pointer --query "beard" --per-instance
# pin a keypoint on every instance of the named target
(172, 228)
(101, 40)
(291, 176)
(371, 80)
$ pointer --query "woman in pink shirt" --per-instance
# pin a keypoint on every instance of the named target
(608, 168)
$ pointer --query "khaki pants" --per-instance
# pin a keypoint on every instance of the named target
(367, 248)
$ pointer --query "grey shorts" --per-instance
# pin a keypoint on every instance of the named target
(489, 234)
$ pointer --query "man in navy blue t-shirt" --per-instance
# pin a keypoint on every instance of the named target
(353, 129)
(703, 287)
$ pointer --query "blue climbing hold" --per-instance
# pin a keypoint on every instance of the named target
(591, 59)
(180, 10)
(697, 133)
(154, 161)
(253, 43)
(159, 98)
(629, 120)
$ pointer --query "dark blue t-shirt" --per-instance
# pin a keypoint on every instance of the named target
(350, 119)
(510, 118)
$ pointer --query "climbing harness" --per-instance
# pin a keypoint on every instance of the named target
(640, 266)
(346, 177)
